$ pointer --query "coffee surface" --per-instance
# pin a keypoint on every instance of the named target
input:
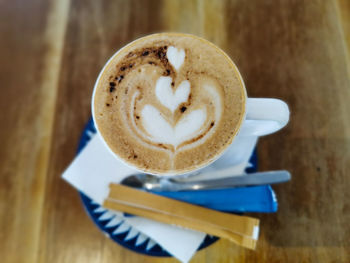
(169, 103)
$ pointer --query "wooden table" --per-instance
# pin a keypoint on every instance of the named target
(50, 55)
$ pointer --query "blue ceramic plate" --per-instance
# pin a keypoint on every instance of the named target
(113, 225)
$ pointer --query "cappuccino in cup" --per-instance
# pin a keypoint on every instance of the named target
(169, 103)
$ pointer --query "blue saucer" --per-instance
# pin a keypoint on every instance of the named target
(112, 225)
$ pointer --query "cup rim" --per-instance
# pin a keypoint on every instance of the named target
(185, 171)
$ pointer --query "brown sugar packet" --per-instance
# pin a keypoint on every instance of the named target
(239, 229)
(242, 225)
(243, 241)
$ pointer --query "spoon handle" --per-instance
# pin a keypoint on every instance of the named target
(260, 178)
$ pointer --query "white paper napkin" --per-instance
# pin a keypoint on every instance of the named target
(95, 168)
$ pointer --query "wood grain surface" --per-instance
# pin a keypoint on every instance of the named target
(50, 55)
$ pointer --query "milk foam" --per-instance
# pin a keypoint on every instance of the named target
(162, 132)
(176, 57)
(218, 108)
(168, 104)
(171, 99)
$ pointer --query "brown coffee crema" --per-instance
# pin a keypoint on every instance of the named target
(169, 103)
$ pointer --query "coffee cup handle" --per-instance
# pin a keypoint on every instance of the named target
(264, 116)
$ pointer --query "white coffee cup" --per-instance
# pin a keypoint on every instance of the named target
(263, 116)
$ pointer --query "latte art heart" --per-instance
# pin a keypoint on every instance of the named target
(162, 132)
(194, 125)
(176, 57)
(167, 97)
